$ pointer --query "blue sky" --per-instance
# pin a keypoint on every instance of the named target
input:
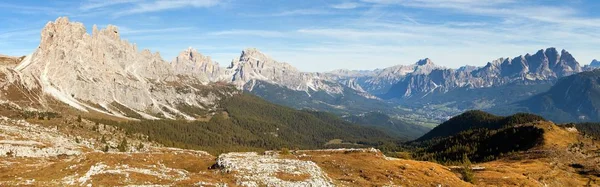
(319, 35)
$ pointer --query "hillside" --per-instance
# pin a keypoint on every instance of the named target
(348, 101)
(480, 136)
(516, 150)
(247, 122)
(571, 99)
(476, 119)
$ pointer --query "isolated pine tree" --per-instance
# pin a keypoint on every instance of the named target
(467, 171)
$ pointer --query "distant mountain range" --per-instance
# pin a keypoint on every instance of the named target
(424, 77)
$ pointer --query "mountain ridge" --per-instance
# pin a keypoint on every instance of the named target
(571, 99)
(544, 65)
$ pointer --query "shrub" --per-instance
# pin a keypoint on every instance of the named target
(467, 171)
(123, 145)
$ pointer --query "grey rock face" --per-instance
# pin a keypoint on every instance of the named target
(545, 65)
(595, 63)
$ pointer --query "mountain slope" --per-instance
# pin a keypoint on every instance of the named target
(249, 123)
(475, 119)
(348, 101)
(573, 98)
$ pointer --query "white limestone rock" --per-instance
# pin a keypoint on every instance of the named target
(251, 169)
(77, 68)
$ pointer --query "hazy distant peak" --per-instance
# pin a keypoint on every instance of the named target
(425, 61)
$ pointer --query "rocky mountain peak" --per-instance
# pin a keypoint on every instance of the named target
(595, 63)
(424, 62)
(192, 63)
(567, 64)
(61, 30)
(254, 59)
(192, 55)
(551, 51)
(253, 53)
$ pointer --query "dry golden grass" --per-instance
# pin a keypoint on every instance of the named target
(538, 172)
(171, 164)
(546, 165)
(556, 137)
(373, 169)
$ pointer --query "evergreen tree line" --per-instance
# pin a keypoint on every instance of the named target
(478, 135)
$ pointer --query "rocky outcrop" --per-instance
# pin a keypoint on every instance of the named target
(252, 169)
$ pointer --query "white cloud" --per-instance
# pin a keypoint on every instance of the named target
(346, 5)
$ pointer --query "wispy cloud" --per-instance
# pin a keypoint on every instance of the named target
(161, 5)
(505, 9)
(347, 5)
(29, 34)
(127, 30)
(96, 4)
(28, 9)
(302, 12)
(260, 33)
(356, 34)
